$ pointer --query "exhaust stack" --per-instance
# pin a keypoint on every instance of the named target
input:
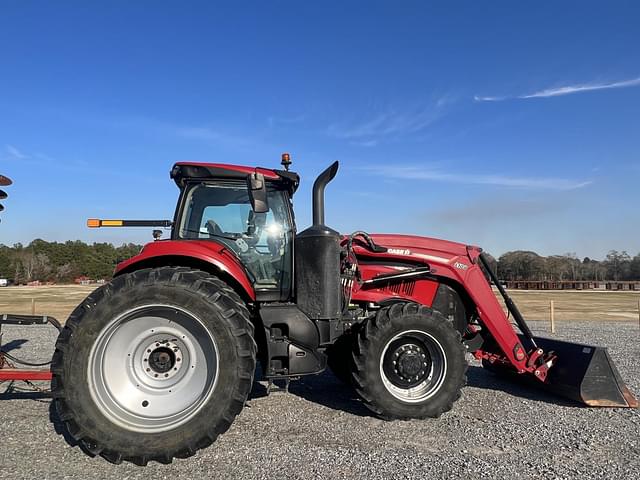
(318, 192)
(317, 260)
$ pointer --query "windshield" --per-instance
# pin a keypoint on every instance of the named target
(223, 212)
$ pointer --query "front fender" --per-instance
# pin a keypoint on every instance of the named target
(207, 255)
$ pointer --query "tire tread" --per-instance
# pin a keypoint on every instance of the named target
(213, 290)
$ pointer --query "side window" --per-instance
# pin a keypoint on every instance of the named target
(231, 219)
(222, 212)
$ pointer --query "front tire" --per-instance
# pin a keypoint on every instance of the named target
(409, 362)
(154, 365)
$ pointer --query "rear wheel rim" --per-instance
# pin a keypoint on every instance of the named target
(153, 368)
(413, 366)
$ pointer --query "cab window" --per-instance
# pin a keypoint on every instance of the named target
(222, 212)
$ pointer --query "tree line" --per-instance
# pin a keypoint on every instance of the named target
(61, 262)
(64, 262)
(525, 265)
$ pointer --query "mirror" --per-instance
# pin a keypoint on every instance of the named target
(257, 189)
(3, 195)
(5, 181)
(1, 207)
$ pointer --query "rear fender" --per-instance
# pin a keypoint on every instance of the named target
(209, 256)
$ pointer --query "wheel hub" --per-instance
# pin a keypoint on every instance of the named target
(163, 358)
(412, 366)
(411, 362)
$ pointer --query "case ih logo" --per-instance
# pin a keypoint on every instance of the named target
(399, 251)
(461, 266)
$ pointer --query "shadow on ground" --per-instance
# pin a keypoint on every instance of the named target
(326, 390)
(515, 385)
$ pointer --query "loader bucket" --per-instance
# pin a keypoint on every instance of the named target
(586, 374)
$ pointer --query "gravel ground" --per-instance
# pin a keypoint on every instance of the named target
(496, 430)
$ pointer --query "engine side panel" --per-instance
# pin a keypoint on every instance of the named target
(421, 291)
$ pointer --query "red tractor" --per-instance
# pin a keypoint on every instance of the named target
(158, 362)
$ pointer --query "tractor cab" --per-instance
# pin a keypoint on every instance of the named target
(249, 211)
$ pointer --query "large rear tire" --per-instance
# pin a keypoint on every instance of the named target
(154, 365)
(409, 362)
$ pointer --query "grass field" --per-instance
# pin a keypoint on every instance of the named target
(578, 305)
(59, 300)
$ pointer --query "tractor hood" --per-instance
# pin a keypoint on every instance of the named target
(423, 248)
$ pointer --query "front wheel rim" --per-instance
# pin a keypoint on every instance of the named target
(153, 368)
(413, 366)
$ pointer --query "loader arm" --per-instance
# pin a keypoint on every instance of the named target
(583, 373)
(495, 320)
(446, 263)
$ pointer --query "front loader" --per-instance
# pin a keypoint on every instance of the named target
(158, 362)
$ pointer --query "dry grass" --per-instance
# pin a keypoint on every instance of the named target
(578, 305)
(59, 300)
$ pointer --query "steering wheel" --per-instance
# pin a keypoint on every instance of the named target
(213, 229)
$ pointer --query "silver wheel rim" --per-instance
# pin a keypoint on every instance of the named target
(153, 368)
(427, 380)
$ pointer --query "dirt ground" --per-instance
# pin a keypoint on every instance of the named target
(59, 300)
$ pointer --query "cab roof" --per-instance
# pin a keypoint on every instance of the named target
(194, 171)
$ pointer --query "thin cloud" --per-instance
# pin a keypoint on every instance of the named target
(390, 123)
(14, 153)
(365, 143)
(566, 90)
(555, 92)
(274, 121)
(204, 133)
(478, 98)
(385, 124)
(434, 174)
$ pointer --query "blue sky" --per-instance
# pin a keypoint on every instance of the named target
(511, 125)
